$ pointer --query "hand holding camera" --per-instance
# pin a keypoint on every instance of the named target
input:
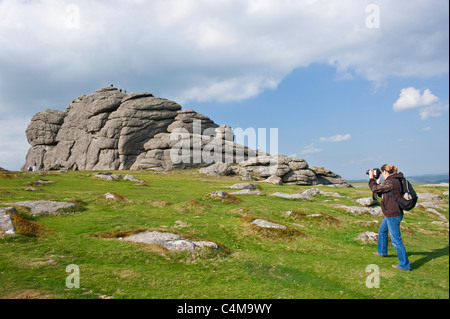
(374, 173)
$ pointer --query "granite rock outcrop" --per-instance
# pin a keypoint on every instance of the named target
(111, 130)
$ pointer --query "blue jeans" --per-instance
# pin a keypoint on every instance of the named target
(392, 225)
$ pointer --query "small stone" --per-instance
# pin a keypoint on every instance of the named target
(220, 194)
(366, 202)
(244, 186)
(266, 224)
(368, 236)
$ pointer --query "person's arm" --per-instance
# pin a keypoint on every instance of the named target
(384, 187)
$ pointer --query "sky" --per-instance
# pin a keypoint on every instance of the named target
(348, 84)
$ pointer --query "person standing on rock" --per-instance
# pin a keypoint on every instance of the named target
(34, 167)
(392, 212)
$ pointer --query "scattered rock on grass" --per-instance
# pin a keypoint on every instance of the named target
(330, 194)
(366, 202)
(430, 205)
(108, 176)
(115, 197)
(435, 212)
(44, 206)
(129, 177)
(311, 192)
(274, 179)
(244, 186)
(307, 194)
(428, 196)
(291, 196)
(266, 224)
(218, 169)
(375, 211)
(219, 194)
(223, 196)
(6, 224)
(42, 182)
(170, 241)
(246, 192)
(368, 236)
(29, 189)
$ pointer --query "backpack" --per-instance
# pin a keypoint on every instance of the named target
(408, 200)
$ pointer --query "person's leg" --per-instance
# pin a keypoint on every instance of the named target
(396, 239)
(383, 238)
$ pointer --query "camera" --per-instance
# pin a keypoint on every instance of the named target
(376, 173)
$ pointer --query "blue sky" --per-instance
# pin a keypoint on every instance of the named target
(312, 104)
(350, 84)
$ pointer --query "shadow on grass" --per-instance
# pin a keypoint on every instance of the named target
(428, 256)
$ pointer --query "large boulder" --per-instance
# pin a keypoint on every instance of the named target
(111, 130)
(185, 119)
(44, 126)
(327, 177)
(100, 131)
(218, 169)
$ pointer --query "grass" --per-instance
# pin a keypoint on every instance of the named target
(316, 257)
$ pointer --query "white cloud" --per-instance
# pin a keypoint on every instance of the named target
(427, 103)
(435, 110)
(208, 50)
(310, 149)
(336, 138)
(227, 89)
(411, 98)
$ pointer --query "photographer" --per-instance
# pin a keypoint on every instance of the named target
(392, 212)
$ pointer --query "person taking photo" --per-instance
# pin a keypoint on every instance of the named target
(392, 212)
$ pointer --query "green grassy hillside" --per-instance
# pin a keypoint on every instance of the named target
(317, 257)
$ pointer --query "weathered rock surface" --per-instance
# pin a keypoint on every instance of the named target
(368, 236)
(277, 169)
(244, 186)
(131, 178)
(104, 130)
(170, 241)
(290, 196)
(306, 195)
(428, 196)
(375, 211)
(266, 224)
(435, 212)
(110, 130)
(367, 201)
(6, 224)
(218, 169)
(108, 176)
(44, 206)
(246, 192)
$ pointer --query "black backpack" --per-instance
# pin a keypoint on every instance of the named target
(408, 200)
